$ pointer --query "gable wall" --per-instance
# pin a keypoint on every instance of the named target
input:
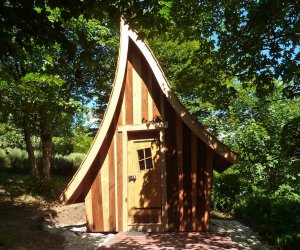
(188, 160)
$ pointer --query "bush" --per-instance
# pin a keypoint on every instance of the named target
(82, 143)
(275, 216)
(228, 188)
(62, 146)
(4, 160)
(14, 160)
(67, 165)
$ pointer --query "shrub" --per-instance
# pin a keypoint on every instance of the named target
(228, 188)
(14, 160)
(62, 146)
(67, 165)
(276, 216)
(82, 143)
(76, 159)
(4, 160)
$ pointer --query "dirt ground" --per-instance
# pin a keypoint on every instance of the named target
(28, 222)
(21, 224)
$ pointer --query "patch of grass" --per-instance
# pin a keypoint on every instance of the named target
(17, 185)
(15, 160)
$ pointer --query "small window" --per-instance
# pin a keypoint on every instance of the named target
(145, 158)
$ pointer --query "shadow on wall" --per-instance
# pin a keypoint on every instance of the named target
(149, 192)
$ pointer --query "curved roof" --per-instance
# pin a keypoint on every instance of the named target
(189, 120)
(126, 34)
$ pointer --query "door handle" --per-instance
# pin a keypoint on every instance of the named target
(131, 178)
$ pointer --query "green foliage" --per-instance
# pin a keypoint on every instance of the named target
(14, 160)
(79, 140)
(276, 216)
(17, 185)
(290, 138)
(226, 190)
(82, 143)
(263, 187)
(66, 165)
(189, 66)
(255, 41)
(233, 63)
(62, 145)
(10, 137)
(43, 85)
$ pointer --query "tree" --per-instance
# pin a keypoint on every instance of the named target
(40, 84)
(255, 41)
(189, 66)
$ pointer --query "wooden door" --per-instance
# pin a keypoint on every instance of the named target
(144, 182)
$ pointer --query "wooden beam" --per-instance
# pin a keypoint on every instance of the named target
(72, 191)
(143, 126)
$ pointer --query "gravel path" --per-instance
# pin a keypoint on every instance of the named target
(69, 221)
(242, 235)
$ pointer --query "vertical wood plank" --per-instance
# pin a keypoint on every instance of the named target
(179, 143)
(125, 191)
(156, 98)
(105, 194)
(122, 170)
(89, 211)
(145, 93)
(171, 168)
(200, 184)
(97, 200)
(136, 87)
(116, 182)
(111, 183)
(128, 94)
(88, 203)
(194, 165)
(120, 181)
(150, 91)
(187, 182)
(163, 169)
(208, 172)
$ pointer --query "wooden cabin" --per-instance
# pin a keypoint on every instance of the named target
(151, 163)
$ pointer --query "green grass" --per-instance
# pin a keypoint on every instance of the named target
(17, 185)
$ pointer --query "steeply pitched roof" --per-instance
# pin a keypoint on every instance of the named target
(72, 191)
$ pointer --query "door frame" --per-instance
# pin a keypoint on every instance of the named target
(130, 149)
(125, 144)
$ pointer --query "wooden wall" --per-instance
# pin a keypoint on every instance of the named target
(188, 160)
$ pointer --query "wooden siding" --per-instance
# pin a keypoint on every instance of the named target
(188, 160)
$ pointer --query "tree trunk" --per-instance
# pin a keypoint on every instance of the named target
(30, 151)
(46, 139)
